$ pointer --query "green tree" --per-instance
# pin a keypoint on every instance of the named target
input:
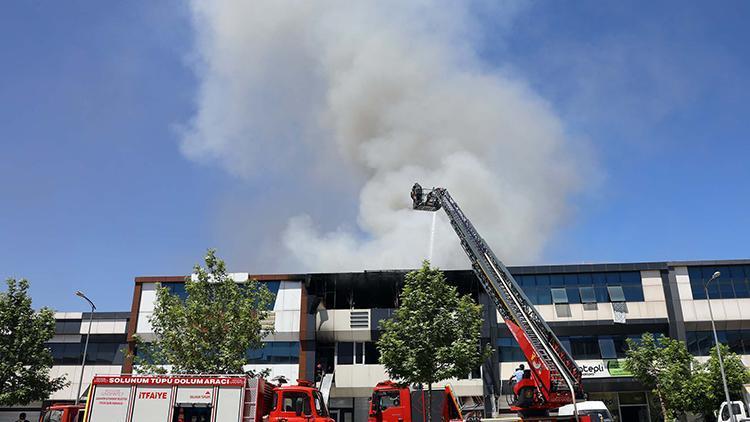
(25, 361)
(707, 387)
(212, 329)
(662, 365)
(434, 335)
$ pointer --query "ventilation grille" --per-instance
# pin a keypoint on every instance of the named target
(359, 319)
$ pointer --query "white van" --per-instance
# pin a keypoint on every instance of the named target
(596, 409)
(738, 408)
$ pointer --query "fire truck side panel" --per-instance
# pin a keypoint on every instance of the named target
(110, 403)
(228, 404)
(152, 403)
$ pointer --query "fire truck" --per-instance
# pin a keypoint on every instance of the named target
(196, 398)
(553, 378)
(392, 402)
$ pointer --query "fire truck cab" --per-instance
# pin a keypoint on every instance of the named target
(392, 402)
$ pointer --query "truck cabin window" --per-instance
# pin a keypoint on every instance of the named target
(290, 400)
(386, 399)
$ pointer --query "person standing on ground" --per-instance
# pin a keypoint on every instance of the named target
(22, 418)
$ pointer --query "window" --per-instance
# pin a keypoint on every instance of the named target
(279, 352)
(734, 281)
(582, 287)
(345, 353)
(616, 294)
(587, 294)
(372, 355)
(359, 353)
(53, 416)
(607, 348)
(559, 296)
(508, 350)
(585, 348)
(291, 398)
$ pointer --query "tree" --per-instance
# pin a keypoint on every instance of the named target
(662, 365)
(25, 361)
(707, 387)
(212, 329)
(434, 335)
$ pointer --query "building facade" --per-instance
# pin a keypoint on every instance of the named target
(328, 323)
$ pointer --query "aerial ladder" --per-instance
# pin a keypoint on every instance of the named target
(553, 378)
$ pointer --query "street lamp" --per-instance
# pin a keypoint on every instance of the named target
(718, 349)
(86, 347)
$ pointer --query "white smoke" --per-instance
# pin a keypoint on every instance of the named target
(391, 92)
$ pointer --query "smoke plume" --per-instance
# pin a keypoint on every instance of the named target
(384, 93)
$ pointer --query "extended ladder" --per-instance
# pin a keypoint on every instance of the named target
(555, 372)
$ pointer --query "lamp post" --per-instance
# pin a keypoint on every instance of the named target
(86, 347)
(718, 349)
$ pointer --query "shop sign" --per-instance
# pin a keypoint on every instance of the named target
(609, 368)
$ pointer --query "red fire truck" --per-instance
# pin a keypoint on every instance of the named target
(391, 402)
(553, 378)
(199, 398)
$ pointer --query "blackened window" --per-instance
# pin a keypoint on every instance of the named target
(372, 355)
(345, 353)
(508, 350)
(359, 352)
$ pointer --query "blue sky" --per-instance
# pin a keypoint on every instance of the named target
(95, 190)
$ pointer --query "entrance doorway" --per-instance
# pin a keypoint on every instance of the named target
(192, 414)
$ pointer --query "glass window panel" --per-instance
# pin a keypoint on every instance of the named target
(359, 352)
(573, 296)
(696, 282)
(599, 279)
(91, 353)
(542, 280)
(616, 294)
(613, 278)
(57, 350)
(559, 296)
(726, 290)
(543, 296)
(566, 345)
(557, 280)
(713, 288)
(120, 354)
(345, 353)
(601, 294)
(607, 348)
(585, 279)
(739, 282)
(587, 294)
(633, 293)
(631, 277)
(734, 341)
(72, 354)
(371, 353)
(570, 279)
(745, 335)
(530, 293)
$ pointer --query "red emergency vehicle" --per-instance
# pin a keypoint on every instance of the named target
(392, 402)
(198, 398)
